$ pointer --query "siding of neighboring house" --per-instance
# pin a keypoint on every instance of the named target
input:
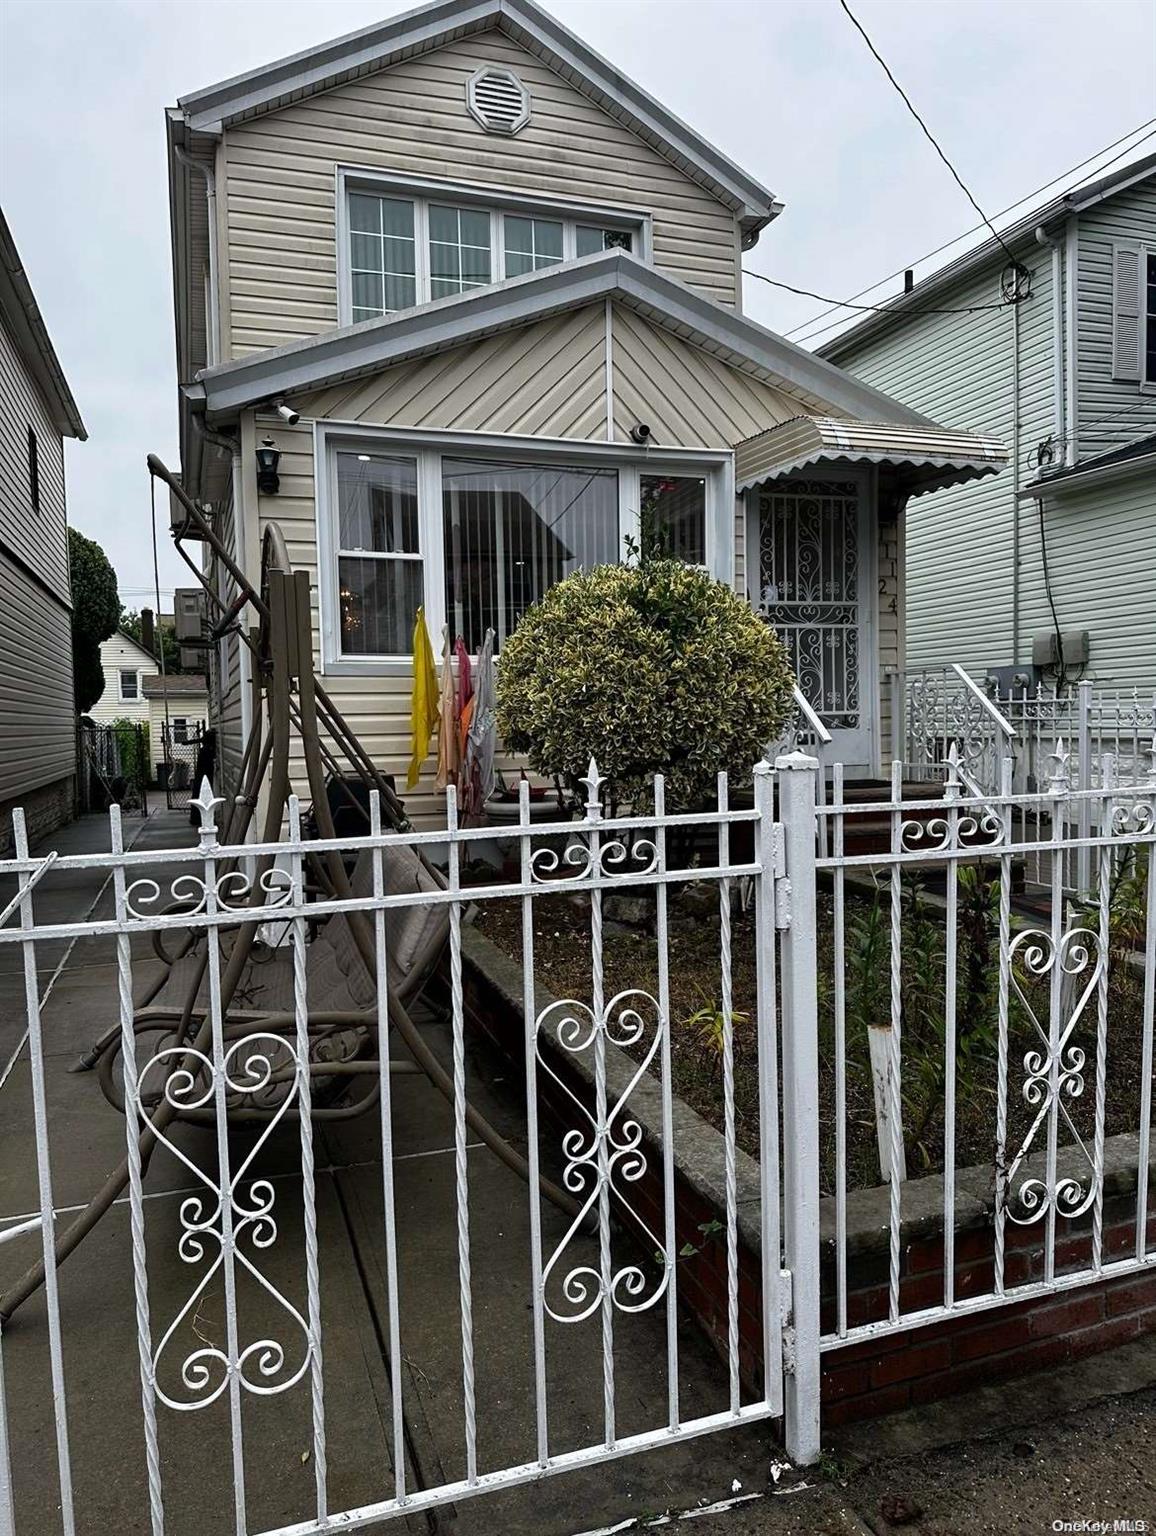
(959, 368)
(278, 176)
(37, 716)
(118, 654)
(1111, 412)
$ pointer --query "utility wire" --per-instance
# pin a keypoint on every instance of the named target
(971, 309)
(1146, 131)
(926, 130)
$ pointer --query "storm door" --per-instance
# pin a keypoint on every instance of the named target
(815, 586)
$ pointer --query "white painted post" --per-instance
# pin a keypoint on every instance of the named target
(796, 776)
(898, 715)
(1084, 781)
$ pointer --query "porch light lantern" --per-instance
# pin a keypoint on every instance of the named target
(268, 458)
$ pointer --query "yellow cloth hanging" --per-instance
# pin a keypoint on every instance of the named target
(424, 700)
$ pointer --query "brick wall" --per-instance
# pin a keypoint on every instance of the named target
(45, 809)
(877, 1376)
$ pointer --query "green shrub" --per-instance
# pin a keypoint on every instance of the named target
(651, 668)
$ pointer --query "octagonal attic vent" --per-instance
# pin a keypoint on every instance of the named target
(498, 100)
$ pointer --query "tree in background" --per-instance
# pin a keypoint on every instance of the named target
(95, 612)
(164, 633)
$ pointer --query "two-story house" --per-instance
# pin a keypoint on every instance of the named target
(175, 705)
(37, 709)
(1054, 563)
(481, 297)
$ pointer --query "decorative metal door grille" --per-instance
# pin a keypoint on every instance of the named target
(810, 588)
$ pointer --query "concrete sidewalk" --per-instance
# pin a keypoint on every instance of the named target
(1091, 1460)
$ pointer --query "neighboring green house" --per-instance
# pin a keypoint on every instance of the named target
(1065, 374)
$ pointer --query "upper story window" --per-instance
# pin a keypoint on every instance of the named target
(403, 245)
(129, 684)
(1134, 312)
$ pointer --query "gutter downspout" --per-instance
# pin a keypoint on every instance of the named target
(1015, 467)
(213, 329)
(1058, 422)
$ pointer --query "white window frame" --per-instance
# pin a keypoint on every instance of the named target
(134, 673)
(716, 467)
(496, 201)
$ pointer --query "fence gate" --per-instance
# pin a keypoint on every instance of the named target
(181, 743)
(202, 1353)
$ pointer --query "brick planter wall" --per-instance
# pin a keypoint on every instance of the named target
(875, 1376)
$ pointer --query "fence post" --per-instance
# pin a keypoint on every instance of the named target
(796, 777)
(1084, 781)
(898, 715)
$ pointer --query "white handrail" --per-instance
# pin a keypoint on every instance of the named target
(968, 681)
(812, 719)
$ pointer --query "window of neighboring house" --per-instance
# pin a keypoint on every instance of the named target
(379, 564)
(33, 470)
(1150, 320)
(477, 536)
(129, 684)
(180, 729)
(404, 249)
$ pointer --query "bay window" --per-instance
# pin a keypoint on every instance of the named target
(403, 242)
(478, 530)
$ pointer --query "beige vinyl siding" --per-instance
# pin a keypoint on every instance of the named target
(544, 380)
(40, 539)
(280, 180)
(688, 398)
(958, 369)
(1112, 531)
(1110, 412)
(37, 718)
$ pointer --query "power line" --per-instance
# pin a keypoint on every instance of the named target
(926, 130)
(971, 309)
(1146, 131)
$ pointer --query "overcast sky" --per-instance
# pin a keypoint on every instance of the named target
(1016, 92)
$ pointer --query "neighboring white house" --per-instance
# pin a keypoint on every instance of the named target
(134, 690)
(37, 710)
(1064, 547)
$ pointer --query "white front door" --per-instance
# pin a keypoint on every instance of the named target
(812, 574)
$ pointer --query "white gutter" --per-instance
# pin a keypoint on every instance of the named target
(213, 326)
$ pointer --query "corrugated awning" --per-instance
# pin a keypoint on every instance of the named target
(923, 458)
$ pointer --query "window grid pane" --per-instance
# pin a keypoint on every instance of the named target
(511, 531)
(382, 253)
(380, 579)
(531, 244)
(459, 249)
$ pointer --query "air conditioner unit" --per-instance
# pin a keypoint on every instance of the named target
(189, 617)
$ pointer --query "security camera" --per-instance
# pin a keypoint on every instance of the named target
(287, 413)
(640, 434)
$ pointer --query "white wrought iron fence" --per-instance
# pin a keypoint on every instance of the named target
(1097, 733)
(969, 1032)
(212, 1063)
(1028, 1039)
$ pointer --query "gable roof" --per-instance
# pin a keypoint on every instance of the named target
(1023, 230)
(127, 639)
(30, 334)
(372, 345)
(174, 685)
(376, 47)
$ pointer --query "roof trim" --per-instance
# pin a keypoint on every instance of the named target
(1119, 464)
(431, 26)
(928, 458)
(1023, 230)
(30, 334)
(373, 345)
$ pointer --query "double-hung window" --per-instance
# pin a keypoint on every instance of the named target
(477, 533)
(379, 564)
(404, 244)
(129, 683)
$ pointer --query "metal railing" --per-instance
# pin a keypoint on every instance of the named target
(952, 976)
(1096, 732)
